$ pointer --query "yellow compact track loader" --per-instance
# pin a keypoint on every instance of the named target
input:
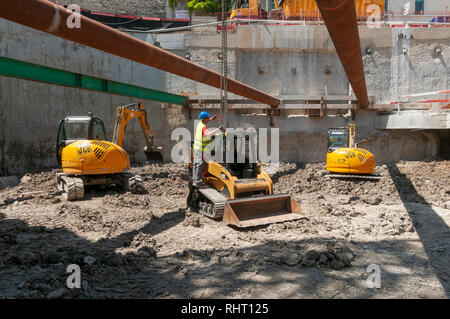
(88, 159)
(240, 194)
(345, 158)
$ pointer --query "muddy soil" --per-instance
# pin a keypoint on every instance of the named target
(151, 246)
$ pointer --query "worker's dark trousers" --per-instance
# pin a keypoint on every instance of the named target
(198, 167)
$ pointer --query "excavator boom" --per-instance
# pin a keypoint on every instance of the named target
(123, 115)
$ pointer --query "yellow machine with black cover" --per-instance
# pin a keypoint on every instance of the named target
(345, 158)
(240, 194)
(88, 159)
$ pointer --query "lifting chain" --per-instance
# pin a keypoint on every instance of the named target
(224, 77)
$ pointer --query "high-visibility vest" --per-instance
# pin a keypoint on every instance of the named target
(201, 143)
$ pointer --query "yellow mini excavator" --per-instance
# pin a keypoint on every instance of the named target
(344, 158)
(240, 194)
(88, 159)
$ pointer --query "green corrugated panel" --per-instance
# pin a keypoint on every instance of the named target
(34, 72)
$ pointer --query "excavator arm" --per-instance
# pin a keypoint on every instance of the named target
(126, 113)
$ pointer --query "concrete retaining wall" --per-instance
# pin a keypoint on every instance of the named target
(31, 111)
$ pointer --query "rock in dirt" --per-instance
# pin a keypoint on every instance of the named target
(26, 178)
(141, 240)
(117, 260)
(55, 200)
(310, 259)
(323, 259)
(337, 264)
(84, 285)
(9, 239)
(337, 257)
(42, 287)
(72, 293)
(373, 200)
(447, 205)
(57, 294)
(24, 285)
(291, 260)
(89, 260)
(34, 294)
(192, 220)
(345, 258)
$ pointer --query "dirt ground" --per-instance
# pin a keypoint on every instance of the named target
(150, 246)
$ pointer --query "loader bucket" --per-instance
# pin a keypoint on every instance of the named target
(256, 211)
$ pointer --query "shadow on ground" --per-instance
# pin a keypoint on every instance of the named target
(33, 263)
(428, 224)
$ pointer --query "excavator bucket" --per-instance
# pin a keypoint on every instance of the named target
(153, 156)
(256, 211)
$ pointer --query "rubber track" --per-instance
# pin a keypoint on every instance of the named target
(217, 199)
(72, 188)
(349, 176)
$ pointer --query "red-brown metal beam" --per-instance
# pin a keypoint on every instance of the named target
(340, 19)
(51, 18)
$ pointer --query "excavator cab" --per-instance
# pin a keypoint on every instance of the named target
(74, 128)
(337, 138)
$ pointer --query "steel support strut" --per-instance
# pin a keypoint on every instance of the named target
(340, 18)
(51, 18)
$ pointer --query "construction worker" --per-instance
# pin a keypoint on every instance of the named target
(202, 139)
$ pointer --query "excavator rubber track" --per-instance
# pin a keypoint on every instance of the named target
(370, 177)
(72, 188)
(133, 183)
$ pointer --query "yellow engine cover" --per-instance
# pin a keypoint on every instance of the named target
(86, 157)
(350, 160)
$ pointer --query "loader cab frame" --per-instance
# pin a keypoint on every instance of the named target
(246, 169)
(337, 138)
(74, 128)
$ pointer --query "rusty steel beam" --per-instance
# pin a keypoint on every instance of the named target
(51, 18)
(340, 19)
